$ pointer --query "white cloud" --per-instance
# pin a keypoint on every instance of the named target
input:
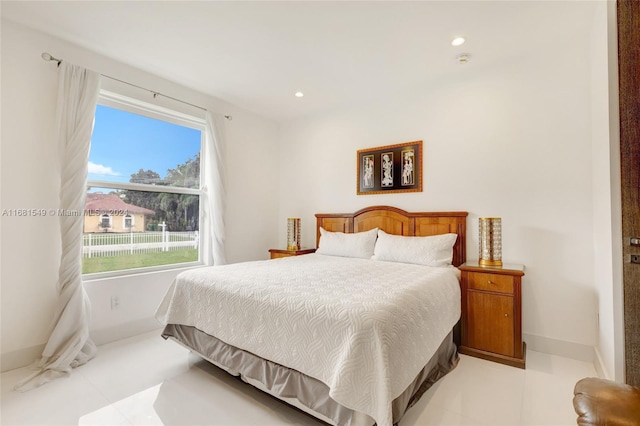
(99, 169)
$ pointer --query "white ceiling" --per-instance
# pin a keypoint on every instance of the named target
(256, 55)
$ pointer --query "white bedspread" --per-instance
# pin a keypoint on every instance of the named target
(365, 328)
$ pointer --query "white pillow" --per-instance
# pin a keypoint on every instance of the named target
(436, 250)
(359, 244)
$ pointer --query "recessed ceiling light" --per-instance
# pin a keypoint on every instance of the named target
(299, 94)
(463, 58)
(458, 41)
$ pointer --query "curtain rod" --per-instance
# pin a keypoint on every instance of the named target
(48, 57)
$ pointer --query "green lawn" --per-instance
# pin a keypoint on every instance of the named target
(130, 261)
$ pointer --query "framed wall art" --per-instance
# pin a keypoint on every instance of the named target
(391, 168)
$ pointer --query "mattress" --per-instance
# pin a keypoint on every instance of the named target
(364, 328)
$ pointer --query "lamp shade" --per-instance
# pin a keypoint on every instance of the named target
(490, 229)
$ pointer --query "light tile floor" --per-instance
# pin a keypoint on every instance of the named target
(146, 380)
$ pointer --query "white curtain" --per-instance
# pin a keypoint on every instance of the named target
(214, 192)
(69, 344)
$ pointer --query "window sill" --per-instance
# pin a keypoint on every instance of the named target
(126, 273)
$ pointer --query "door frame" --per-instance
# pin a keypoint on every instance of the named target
(628, 34)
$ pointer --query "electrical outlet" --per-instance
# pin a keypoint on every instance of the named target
(115, 302)
(635, 258)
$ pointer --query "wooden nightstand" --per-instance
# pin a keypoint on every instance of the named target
(492, 313)
(277, 253)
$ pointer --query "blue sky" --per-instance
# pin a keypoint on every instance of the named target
(122, 143)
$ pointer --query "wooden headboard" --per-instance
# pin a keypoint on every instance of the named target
(399, 222)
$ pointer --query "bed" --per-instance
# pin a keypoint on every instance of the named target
(350, 339)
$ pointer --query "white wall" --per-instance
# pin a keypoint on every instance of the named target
(525, 141)
(29, 176)
(612, 299)
(603, 182)
(512, 141)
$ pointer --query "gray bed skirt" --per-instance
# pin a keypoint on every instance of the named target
(300, 390)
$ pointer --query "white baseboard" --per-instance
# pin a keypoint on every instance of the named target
(577, 351)
(123, 331)
(599, 364)
(20, 358)
(27, 356)
(562, 348)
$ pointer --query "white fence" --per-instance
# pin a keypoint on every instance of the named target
(108, 244)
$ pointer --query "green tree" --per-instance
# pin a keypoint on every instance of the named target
(179, 211)
(148, 177)
(186, 175)
(148, 200)
(182, 211)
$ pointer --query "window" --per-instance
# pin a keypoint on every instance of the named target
(105, 222)
(143, 198)
(128, 222)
